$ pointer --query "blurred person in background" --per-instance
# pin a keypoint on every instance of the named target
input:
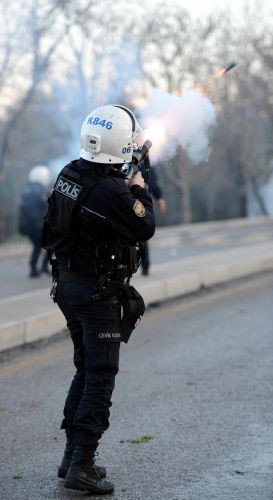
(33, 206)
(161, 205)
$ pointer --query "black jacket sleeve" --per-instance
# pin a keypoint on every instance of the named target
(153, 184)
(128, 212)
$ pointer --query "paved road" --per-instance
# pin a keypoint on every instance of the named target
(203, 394)
(14, 277)
(194, 241)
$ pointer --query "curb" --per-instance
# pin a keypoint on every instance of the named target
(174, 280)
(42, 326)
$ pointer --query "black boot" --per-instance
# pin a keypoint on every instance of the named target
(82, 473)
(67, 459)
(34, 273)
(68, 452)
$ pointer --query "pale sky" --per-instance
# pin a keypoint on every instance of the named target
(199, 7)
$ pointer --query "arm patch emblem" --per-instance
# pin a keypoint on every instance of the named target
(139, 209)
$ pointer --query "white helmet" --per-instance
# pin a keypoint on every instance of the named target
(40, 174)
(109, 134)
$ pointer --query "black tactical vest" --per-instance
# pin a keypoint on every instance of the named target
(64, 231)
(59, 229)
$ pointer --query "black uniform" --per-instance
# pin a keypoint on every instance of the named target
(33, 206)
(157, 194)
(106, 214)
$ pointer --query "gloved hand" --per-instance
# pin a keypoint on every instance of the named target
(137, 180)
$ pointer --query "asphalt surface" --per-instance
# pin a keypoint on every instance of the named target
(194, 241)
(14, 278)
(196, 378)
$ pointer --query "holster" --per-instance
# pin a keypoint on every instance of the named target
(133, 309)
(132, 304)
(109, 288)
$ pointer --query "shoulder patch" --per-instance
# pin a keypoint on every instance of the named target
(139, 209)
(68, 188)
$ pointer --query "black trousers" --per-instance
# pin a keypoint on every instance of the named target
(35, 253)
(86, 410)
(146, 259)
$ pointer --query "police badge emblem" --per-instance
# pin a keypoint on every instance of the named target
(139, 209)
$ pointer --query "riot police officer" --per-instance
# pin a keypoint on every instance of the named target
(93, 230)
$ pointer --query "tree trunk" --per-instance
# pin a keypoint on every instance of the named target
(182, 170)
(258, 196)
(9, 128)
(242, 190)
(2, 233)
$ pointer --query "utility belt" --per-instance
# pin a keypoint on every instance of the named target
(106, 288)
(77, 278)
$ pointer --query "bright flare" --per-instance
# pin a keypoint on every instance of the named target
(220, 73)
(156, 133)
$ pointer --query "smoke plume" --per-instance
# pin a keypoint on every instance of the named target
(170, 120)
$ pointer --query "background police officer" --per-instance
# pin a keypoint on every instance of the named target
(94, 224)
(33, 206)
(156, 192)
